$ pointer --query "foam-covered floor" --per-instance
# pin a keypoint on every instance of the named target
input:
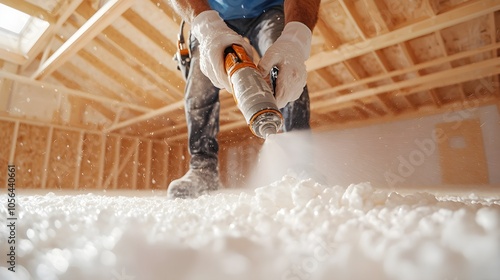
(291, 229)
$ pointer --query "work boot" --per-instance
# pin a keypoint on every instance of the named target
(197, 181)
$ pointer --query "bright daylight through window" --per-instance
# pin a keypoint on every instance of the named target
(18, 30)
(12, 20)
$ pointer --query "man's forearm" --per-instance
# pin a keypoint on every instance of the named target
(189, 9)
(305, 11)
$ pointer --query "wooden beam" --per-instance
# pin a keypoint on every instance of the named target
(442, 46)
(169, 90)
(353, 17)
(102, 157)
(137, 92)
(147, 116)
(41, 123)
(423, 112)
(136, 53)
(167, 10)
(66, 90)
(462, 14)
(13, 57)
(331, 38)
(77, 110)
(48, 148)
(6, 86)
(47, 37)
(118, 165)
(493, 35)
(407, 70)
(374, 9)
(410, 57)
(135, 163)
(79, 77)
(150, 31)
(78, 165)
(147, 177)
(13, 143)
(100, 20)
(456, 75)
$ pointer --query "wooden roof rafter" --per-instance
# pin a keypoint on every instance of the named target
(146, 62)
(45, 42)
(102, 18)
(64, 90)
(455, 16)
(446, 108)
(414, 68)
(461, 74)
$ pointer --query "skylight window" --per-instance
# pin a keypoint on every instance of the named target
(19, 31)
(12, 20)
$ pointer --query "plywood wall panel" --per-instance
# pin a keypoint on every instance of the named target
(159, 165)
(126, 164)
(177, 162)
(30, 154)
(144, 165)
(90, 164)
(63, 159)
(110, 165)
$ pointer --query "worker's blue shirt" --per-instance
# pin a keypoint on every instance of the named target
(234, 9)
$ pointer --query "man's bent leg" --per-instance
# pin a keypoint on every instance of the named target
(202, 116)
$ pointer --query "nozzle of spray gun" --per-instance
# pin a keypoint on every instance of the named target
(266, 123)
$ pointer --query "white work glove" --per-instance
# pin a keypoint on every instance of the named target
(214, 37)
(288, 53)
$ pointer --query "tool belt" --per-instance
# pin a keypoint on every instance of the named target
(183, 54)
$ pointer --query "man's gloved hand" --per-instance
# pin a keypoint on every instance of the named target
(214, 37)
(289, 53)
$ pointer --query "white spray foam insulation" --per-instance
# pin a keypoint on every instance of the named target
(290, 229)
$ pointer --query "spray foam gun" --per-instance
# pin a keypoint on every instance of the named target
(252, 93)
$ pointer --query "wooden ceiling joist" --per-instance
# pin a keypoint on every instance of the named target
(456, 75)
(65, 90)
(417, 67)
(12, 57)
(151, 66)
(371, 61)
(425, 111)
(45, 41)
(147, 116)
(100, 20)
(462, 14)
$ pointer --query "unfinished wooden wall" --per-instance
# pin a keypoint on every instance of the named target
(56, 157)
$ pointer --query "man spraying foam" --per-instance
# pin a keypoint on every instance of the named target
(280, 31)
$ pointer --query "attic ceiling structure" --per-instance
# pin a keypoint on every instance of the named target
(106, 66)
(371, 60)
